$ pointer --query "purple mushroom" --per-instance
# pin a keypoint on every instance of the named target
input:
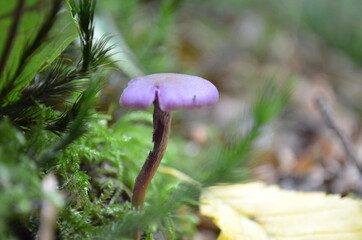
(168, 92)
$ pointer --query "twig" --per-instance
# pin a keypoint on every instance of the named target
(49, 212)
(327, 115)
(11, 36)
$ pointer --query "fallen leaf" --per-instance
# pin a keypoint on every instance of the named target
(254, 211)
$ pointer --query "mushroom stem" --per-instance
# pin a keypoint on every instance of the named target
(161, 131)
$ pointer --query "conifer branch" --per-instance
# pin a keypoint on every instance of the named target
(75, 124)
(93, 54)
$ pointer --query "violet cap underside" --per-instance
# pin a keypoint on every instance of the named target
(173, 90)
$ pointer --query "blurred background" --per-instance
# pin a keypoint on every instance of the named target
(309, 49)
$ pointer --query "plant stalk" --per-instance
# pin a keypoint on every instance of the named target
(161, 131)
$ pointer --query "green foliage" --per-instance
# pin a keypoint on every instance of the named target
(60, 81)
(91, 171)
(30, 53)
(19, 183)
(30, 102)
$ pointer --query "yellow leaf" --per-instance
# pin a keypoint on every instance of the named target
(254, 211)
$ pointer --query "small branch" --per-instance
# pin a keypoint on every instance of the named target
(326, 113)
(49, 212)
(11, 36)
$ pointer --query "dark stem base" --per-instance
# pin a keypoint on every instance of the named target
(161, 131)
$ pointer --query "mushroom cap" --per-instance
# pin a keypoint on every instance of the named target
(173, 91)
